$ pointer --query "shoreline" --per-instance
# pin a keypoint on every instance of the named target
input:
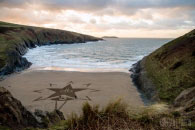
(12, 59)
(84, 70)
(23, 63)
(32, 88)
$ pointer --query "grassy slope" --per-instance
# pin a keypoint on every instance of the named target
(172, 67)
(119, 116)
(13, 37)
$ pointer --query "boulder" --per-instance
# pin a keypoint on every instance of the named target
(185, 97)
(15, 116)
(185, 103)
(47, 119)
(12, 113)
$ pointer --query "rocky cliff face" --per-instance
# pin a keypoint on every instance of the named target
(185, 104)
(14, 115)
(168, 71)
(15, 40)
(168, 74)
(141, 80)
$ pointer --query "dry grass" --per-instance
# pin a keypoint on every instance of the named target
(119, 116)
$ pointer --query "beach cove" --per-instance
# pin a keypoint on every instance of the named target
(66, 76)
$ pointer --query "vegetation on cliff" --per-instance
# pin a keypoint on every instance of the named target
(16, 39)
(172, 67)
(118, 115)
(168, 75)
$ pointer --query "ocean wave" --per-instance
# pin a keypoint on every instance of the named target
(94, 56)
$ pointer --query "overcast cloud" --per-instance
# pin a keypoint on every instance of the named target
(125, 18)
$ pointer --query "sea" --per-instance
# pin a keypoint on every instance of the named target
(109, 55)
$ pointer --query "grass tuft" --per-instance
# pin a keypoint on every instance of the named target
(118, 115)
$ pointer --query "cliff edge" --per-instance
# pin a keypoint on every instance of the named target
(15, 40)
(168, 71)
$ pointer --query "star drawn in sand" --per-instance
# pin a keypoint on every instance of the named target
(88, 98)
(67, 91)
(56, 99)
(38, 91)
(87, 85)
(51, 84)
(71, 82)
(38, 99)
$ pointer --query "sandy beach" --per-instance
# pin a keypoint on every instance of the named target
(67, 91)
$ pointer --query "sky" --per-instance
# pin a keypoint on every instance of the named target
(122, 18)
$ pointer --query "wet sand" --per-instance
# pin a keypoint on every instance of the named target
(67, 91)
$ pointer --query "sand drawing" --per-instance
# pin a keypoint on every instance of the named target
(38, 91)
(71, 82)
(65, 94)
(37, 99)
(52, 84)
(87, 85)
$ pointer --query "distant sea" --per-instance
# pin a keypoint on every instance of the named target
(110, 55)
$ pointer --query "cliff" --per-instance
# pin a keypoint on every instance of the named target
(168, 71)
(15, 116)
(15, 40)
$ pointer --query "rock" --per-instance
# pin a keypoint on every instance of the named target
(14, 115)
(184, 97)
(185, 103)
(47, 119)
(15, 63)
(143, 83)
(40, 113)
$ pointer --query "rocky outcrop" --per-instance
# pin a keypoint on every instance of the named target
(166, 72)
(185, 103)
(185, 97)
(143, 83)
(47, 119)
(15, 40)
(15, 116)
(12, 113)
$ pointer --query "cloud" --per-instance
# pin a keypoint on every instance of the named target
(97, 17)
(99, 4)
(93, 21)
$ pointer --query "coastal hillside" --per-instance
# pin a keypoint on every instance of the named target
(169, 70)
(16, 39)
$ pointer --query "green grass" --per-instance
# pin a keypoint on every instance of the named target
(172, 67)
(118, 115)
